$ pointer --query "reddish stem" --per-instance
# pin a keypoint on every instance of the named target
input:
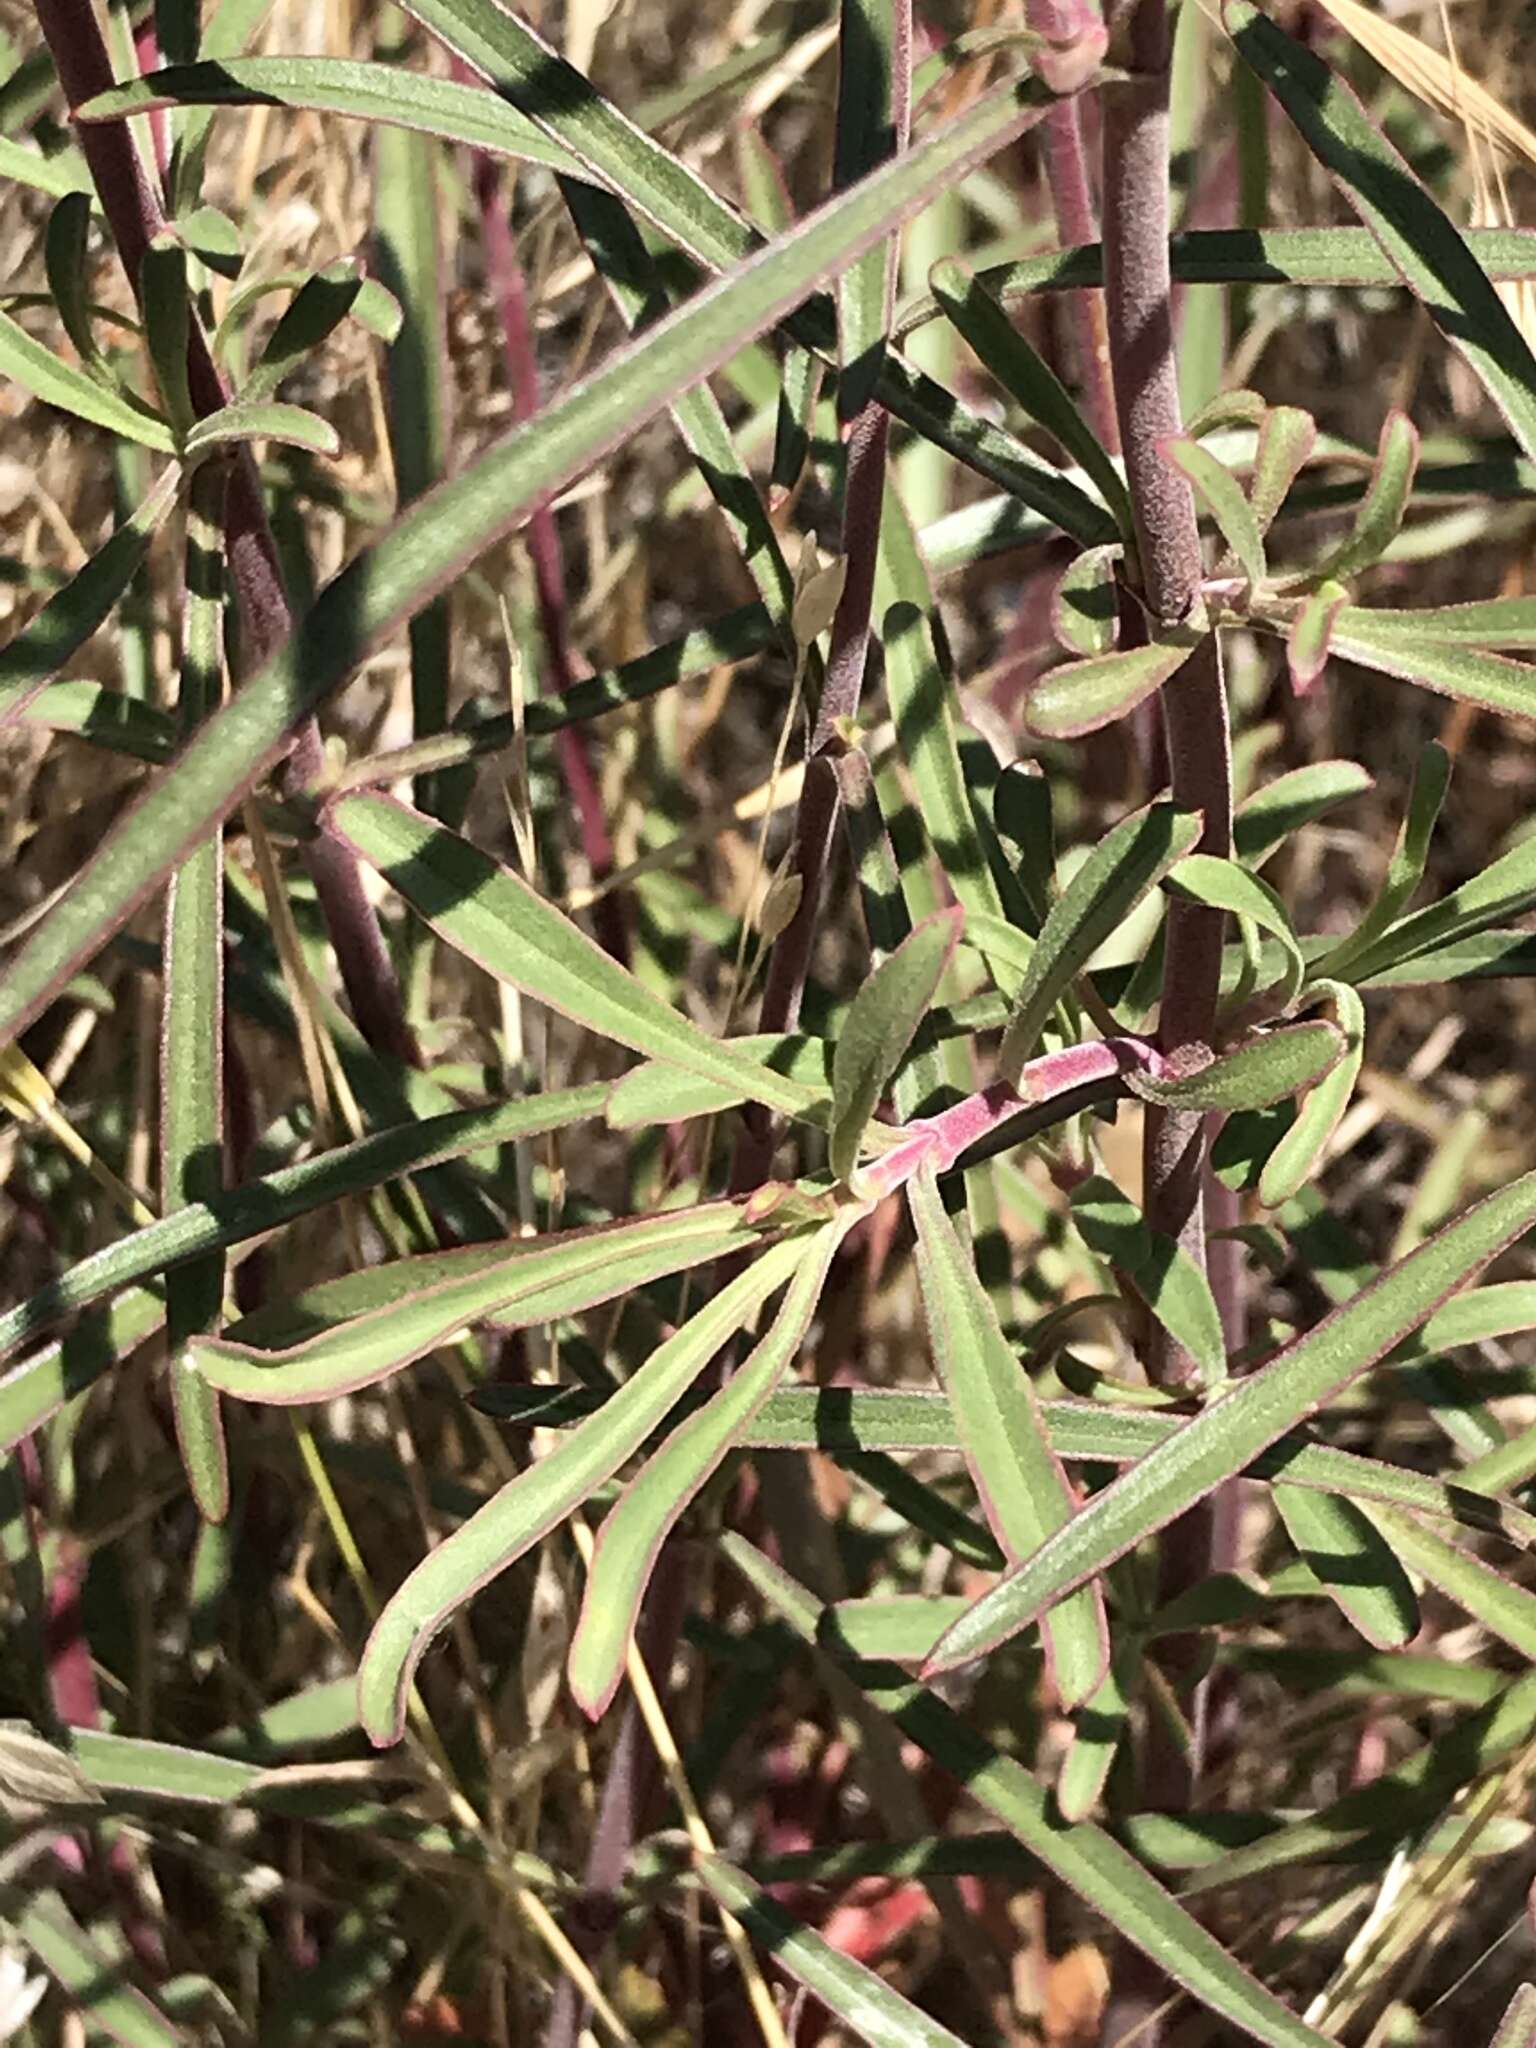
(543, 539)
(1066, 173)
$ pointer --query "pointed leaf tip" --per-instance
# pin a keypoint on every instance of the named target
(880, 1026)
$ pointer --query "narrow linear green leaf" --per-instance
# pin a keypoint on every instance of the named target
(1085, 607)
(1169, 1280)
(92, 1981)
(1270, 1067)
(192, 1025)
(259, 1206)
(316, 310)
(167, 309)
(47, 376)
(492, 916)
(922, 704)
(73, 614)
(1505, 888)
(1127, 863)
(292, 425)
(1296, 1158)
(1504, 1608)
(869, 2007)
(65, 259)
(964, 300)
(1380, 513)
(1098, 1729)
(844, 1422)
(530, 1505)
(874, 92)
(880, 1025)
(1470, 674)
(57, 175)
(448, 529)
(1220, 493)
(1292, 800)
(105, 718)
(1410, 856)
(539, 1281)
(1023, 1489)
(1427, 251)
(1491, 622)
(1346, 1549)
(1256, 1410)
(1310, 640)
(631, 1537)
(1226, 885)
(334, 85)
(1410, 1795)
(1305, 256)
(658, 1093)
(1287, 436)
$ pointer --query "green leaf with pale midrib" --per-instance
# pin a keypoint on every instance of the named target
(1023, 1489)
(538, 1282)
(493, 917)
(448, 529)
(841, 1422)
(530, 1505)
(1257, 1410)
(880, 1025)
(259, 1206)
(1308, 256)
(335, 85)
(632, 1535)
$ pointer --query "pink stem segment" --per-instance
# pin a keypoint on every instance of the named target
(941, 1140)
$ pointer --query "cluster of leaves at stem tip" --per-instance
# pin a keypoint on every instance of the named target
(1000, 1011)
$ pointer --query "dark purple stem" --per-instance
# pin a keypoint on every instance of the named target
(1066, 173)
(135, 217)
(1139, 305)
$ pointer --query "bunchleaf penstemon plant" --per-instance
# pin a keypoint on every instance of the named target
(619, 1305)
